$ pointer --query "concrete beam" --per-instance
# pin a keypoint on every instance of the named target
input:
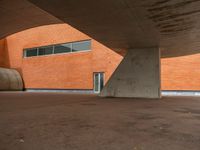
(170, 22)
(138, 75)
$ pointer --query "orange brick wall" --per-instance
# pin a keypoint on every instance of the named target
(75, 70)
(61, 71)
(181, 73)
(1, 52)
(4, 60)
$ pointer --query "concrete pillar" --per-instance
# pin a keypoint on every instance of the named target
(10, 80)
(138, 75)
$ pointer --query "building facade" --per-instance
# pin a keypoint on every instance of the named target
(61, 57)
(73, 70)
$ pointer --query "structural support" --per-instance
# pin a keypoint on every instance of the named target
(138, 75)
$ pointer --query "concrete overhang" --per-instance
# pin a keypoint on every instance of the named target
(172, 25)
(19, 15)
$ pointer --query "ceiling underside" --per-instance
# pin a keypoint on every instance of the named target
(19, 15)
(172, 25)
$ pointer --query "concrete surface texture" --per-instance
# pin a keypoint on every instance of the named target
(128, 24)
(10, 80)
(18, 15)
(123, 24)
(138, 75)
(58, 121)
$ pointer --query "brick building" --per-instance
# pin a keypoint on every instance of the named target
(61, 57)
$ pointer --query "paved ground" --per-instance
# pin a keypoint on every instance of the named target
(53, 121)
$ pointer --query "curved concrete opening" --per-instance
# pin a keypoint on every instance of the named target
(10, 80)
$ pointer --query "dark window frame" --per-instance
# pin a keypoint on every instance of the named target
(26, 50)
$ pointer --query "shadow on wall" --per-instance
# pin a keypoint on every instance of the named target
(4, 54)
(7, 60)
(10, 79)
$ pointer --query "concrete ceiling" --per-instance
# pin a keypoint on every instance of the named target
(172, 25)
(18, 15)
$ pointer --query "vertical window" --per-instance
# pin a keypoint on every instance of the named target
(62, 48)
(81, 46)
(98, 82)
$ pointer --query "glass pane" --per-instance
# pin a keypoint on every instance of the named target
(101, 81)
(62, 48)
(81, 46)
(31, 52)
(96, 82)
(45, 50)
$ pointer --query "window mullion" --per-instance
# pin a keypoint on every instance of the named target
(71, 47)
(53, 49)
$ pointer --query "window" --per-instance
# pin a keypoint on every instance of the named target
(81, 46)
(62, 48)
(45, 50)
(59, 48)
(31, 52)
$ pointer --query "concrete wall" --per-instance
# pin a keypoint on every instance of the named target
(61, 71)
(10, 79)
(138, 75)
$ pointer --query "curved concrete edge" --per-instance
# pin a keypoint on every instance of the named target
(10, 80)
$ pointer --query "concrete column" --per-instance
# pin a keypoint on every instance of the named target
(138, 75)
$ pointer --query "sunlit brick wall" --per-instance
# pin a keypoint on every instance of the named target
(181, 73)
(62, 71)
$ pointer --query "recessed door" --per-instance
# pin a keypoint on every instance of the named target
(98, 82)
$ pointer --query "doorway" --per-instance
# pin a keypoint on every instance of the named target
(98, 81)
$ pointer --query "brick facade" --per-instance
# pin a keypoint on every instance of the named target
(181, 73)
(75, 70)
(61, 71)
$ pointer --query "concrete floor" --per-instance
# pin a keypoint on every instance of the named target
(59, 121)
